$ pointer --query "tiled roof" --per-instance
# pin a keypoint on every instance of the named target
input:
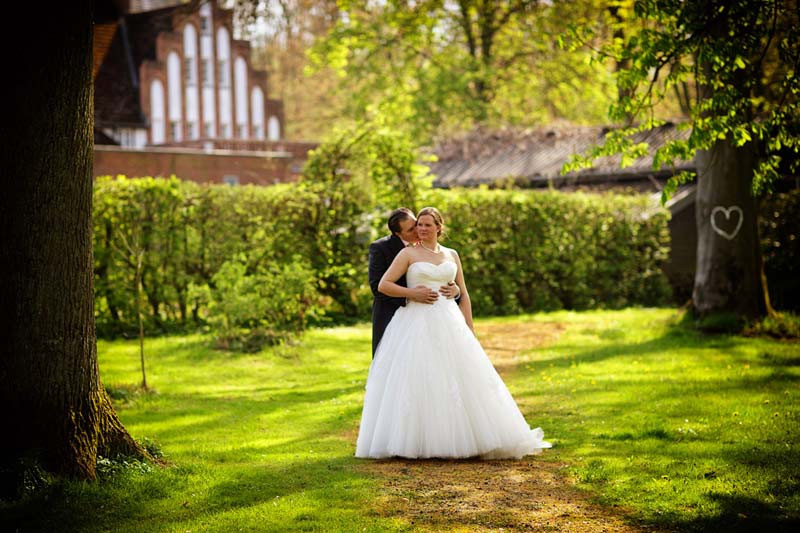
(143, 28)
(116, 82)
(103, 36)
(534, 157)
(116, 87)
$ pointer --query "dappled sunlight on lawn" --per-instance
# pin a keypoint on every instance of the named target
(663, 419)
(654, 425)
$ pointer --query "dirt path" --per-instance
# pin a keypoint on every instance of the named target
(476, 496)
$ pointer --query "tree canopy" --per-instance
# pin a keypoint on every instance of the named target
(439, 66)
(734, 66)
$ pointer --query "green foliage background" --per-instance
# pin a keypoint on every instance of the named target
(434, 67)
(541, 250)
(205, 247)
(297, 253)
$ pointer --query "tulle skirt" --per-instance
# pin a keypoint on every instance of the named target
(432, 392)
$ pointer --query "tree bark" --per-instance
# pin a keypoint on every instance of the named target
(728, 275)
(53, 403)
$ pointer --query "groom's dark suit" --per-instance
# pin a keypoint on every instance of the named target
(381, 254)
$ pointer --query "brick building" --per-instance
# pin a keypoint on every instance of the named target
(176, 94)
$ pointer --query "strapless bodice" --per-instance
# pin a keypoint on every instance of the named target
(430, 274)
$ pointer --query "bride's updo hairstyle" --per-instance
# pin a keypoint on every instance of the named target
(437, 219)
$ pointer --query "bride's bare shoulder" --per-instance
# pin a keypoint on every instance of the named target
(451, 252)
(405, 252)
(408, 253)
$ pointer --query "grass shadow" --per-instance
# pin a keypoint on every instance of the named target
(681, 426)
(737, 514)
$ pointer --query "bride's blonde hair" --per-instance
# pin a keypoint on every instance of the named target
(437, 219)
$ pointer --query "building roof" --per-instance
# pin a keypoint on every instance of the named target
(102, 38)
(143, 28)
(533, 158)
(117, 80)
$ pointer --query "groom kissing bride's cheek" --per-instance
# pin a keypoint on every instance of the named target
(431, 390)
(403, 233)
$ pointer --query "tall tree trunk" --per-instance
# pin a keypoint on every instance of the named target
(52, 401)
(728, 275)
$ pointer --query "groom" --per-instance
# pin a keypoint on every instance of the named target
(403, 227)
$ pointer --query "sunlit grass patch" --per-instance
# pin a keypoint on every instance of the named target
(681, 429)
(688, 430)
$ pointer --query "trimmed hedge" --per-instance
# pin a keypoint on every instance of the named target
(185, 234)
(522, 251)
(527, 251)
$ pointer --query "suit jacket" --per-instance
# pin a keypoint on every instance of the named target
(381, 254)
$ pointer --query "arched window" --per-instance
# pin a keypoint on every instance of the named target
(257, 110)
(156, 112)
(190, 77)
(225, 96)
(190, 54)
(240, 85)
(207, 77)
(174, 91)
(274, 129)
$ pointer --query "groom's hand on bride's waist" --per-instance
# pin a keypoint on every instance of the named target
(423, 295)
(450, 290)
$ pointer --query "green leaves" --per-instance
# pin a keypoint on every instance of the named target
(258, 264)
(269, 305)
(450, 66)
(733, 69)
(379, 161)
(552, 250)
(185, 233)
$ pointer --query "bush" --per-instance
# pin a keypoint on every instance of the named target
(267, 304)
(147, 217)
(110, 467)
(525, 251)
(264, 262)
(784, 325)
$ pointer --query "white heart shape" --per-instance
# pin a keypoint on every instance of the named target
(727, 212)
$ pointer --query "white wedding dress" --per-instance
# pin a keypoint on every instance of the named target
(432, 391)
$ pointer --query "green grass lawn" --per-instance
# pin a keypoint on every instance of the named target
(688, 431)
(682, 430)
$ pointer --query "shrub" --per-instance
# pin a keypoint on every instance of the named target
(148, 217)
(541, 250)
(109, 467)
(233, 256)
(268, 304)
(784, 325)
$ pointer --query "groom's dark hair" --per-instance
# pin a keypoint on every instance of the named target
(398, 215)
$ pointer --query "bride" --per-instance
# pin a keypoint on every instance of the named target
(431, 389)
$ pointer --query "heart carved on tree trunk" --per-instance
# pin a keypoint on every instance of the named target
(727, 212)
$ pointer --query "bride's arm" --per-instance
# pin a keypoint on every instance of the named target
(396, 270)
(464, 304)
